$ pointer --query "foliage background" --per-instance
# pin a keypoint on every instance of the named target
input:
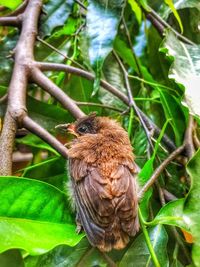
(36, 223)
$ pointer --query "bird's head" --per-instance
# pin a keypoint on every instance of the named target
(85, 125)
(92, 124)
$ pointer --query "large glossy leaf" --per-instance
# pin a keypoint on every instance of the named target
(185, 69)
(138, 252)
(57, 14)
(172, 214)
(34, 216)
(102, 23)
(192, 206)
(61, 256)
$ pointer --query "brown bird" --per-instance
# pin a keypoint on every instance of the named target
(103, 176)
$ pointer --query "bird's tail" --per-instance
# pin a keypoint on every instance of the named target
(116, 238)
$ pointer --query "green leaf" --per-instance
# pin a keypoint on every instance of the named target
(47, 115)
(185, 68)
(125, 53)
(172, 214)
(173, 112)
(52, 171)
(182, 5)
(34, 141)
(173, 9)
(191, 209)
(34, 216)
(138, 252)
(146, 173)
(57, 13)
(136, 9)
(10, 3)
(102, 24)
(61, 256)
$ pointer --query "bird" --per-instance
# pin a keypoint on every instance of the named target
(103, 181)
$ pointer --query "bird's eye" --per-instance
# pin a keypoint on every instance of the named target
(83, 129)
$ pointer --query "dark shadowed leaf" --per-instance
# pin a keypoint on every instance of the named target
(11, 258)
(138, 252)
(61, 256)
(57, 14)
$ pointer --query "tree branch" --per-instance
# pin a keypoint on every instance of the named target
(35, 128)
(160, 24)
(11, 21)
(44, 82)
(16, 107)
(6, 144)
(159, 170)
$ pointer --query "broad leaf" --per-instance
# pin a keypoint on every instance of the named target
(34, 216)
(138, 252)
(191, 209)
(102, 23)
(172, 214)
(57, 13)
(185, 69)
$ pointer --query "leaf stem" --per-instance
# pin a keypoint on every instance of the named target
(148, 241)
(130, 123)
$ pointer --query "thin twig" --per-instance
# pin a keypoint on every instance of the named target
(132, 102)
(160, 169)
(58, 51)
(35, 128)
(188, 139)
(168, 195)
(132, 49)
(110, 262)
(167, 25)
(3, 99)
(158, 26)
(69, 69)
(98, 105)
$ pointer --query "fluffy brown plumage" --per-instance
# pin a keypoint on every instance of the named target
(103, 174)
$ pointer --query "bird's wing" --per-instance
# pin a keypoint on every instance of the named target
(98, 202)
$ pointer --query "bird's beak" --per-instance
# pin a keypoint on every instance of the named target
(69, 127)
